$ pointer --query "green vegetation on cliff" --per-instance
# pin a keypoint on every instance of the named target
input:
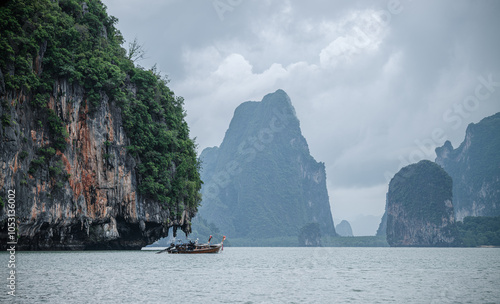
(422, 189)
(419, 207)
(480, 231)
(43, 40)
(154, 121)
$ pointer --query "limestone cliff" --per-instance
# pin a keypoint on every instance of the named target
(475, 169)
(419, 207)
(262, 181)
(382, 227)
(344, 228)
(88, 145)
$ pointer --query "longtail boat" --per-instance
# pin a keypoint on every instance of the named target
(194, 248)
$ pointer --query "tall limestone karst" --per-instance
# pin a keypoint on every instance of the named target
(475, 169)
(262, 182)
(95, 151)
(419, 207)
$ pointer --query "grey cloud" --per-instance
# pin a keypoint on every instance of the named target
(360, 111)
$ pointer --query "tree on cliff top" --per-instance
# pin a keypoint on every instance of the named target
(44, 40)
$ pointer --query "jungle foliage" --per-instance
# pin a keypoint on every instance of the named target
(43, 40)
(422, 189)
(480, 231)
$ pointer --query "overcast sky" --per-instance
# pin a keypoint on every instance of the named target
(376, 84)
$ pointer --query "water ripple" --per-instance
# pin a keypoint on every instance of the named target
(260, 275)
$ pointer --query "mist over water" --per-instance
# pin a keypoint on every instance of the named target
(260, 275)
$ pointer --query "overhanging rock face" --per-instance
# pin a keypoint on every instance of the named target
(98, 206)
(96, 148)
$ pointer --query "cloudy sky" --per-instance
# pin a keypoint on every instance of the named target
(376, 84)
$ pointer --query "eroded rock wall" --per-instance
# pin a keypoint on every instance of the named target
(474, 167)
(95, 205)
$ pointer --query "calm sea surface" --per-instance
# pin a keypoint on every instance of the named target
(258, 275)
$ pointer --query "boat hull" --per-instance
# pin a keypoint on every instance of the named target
(195, 250)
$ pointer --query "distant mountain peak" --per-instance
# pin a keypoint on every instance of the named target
(262, 181)
(344, 228)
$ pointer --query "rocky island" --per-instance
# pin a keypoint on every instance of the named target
(344, 229)
(96, 149)
(262, 182)
(419, 207)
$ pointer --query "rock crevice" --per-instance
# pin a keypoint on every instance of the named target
(98, 206)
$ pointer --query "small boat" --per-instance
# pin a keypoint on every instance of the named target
(194, 248)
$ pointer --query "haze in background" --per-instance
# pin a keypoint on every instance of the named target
(376, 84)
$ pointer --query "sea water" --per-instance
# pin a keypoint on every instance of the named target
(258, 275)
